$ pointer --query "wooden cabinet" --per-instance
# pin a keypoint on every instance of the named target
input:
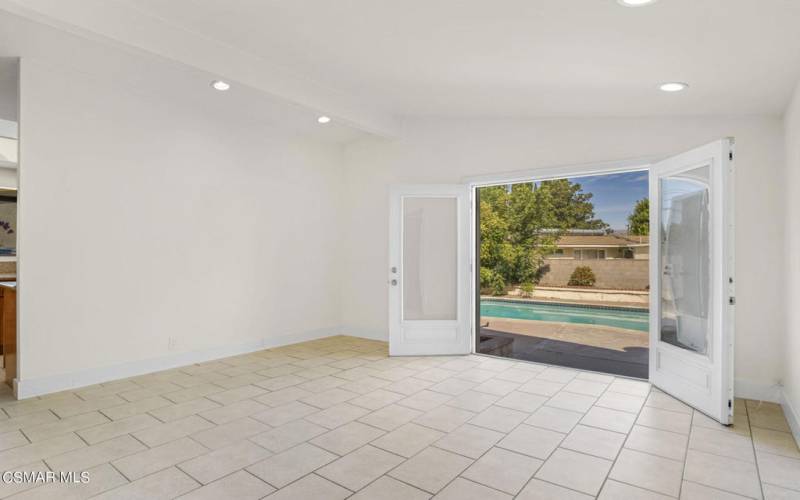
(8, 330)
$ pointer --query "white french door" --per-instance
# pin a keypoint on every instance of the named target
(691, 278)
(429, 270)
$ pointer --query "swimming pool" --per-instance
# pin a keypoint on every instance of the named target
(619, 318)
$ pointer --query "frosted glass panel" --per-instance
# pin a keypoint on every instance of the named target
(430, 239)
(685, 237)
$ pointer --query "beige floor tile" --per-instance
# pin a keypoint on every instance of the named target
(386, 488)
(444, 418)
(767, 416)
(541, 387)
(608, 419)
(596, 377)
(311, 487)
(503, 470)
(613, 490)
(117, 428)
(516, 375)
(219, 463)
(469, 440)
(541, 490)
(497, 387)
(473, 401)
(723, 473)
(288, 435)
(779, 470)
(192, 393)
(694, 491)
(68, 409)
(554, 419)
(620, 401)
(453, 386)
(284, 414)
(135, 408)
(425, 400)
(326, 383)
(593, 441)
(239, 485)
(522, 401)
(390, 417)
(775, 442)
(327, 399)
(292, 464)
(42, 450)
(337, 415)
(27, 420)
(663, 401)
(231, 412)
(281, 382)
(478, 375)
(665, 420)
(727, 444)
(647, 471)
(146, 462)
(409, 386)
(70, 424)
(376, 400)
(632, 387)
(556, 374)
(408, 440)
(183, 410)
(359, 468)
(283, 396)
(365, 385)
(91, 456)
(576, 471)
(772, 492)
(499, 419)
(227, 434)
(532, 441)
(657, 442)
(102, 478)
(164, 433)
(12, 439)
(166, 484)
(463, 489)
(347, 438)
(741, 425)
(571, 401)
(586, 387)
(431, 469)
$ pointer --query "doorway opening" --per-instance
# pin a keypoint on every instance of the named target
(564, 271)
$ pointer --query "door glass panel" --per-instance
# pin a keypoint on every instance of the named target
(685, 238)
(430, 258)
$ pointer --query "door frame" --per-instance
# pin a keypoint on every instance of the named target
(529, 175)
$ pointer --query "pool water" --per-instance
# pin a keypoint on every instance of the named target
(631, 320)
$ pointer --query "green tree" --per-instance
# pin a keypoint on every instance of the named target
(571, 207)
(517, 228)
(639, 219)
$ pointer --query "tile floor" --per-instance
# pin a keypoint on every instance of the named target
(336, 418)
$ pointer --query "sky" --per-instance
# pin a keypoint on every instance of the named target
(615, 195)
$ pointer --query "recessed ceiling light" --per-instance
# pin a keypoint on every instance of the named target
(324, 119)
(673, 86)
(635, 3)
(220, 85)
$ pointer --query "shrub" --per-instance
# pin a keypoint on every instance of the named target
(526, 289)
(492, 282)
(582, 276)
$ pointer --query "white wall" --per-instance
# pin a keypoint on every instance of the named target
(143, 218)
(792, 341)
(438, 150)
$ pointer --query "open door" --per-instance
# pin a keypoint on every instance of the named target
(429, 270)
(691, 278)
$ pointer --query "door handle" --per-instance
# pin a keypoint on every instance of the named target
(393, 282)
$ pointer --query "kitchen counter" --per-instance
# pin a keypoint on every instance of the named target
(8, 328)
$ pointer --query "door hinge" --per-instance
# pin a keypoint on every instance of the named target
(732, 301)
(730, 404)
(730, 155)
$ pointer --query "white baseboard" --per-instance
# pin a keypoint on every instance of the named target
(28, 388)
(790, 411)
(365, 333)
(757, 391)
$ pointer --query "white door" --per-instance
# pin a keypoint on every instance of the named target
(429, 270)
(691, 278)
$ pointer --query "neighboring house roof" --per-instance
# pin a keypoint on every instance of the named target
(601, 240)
